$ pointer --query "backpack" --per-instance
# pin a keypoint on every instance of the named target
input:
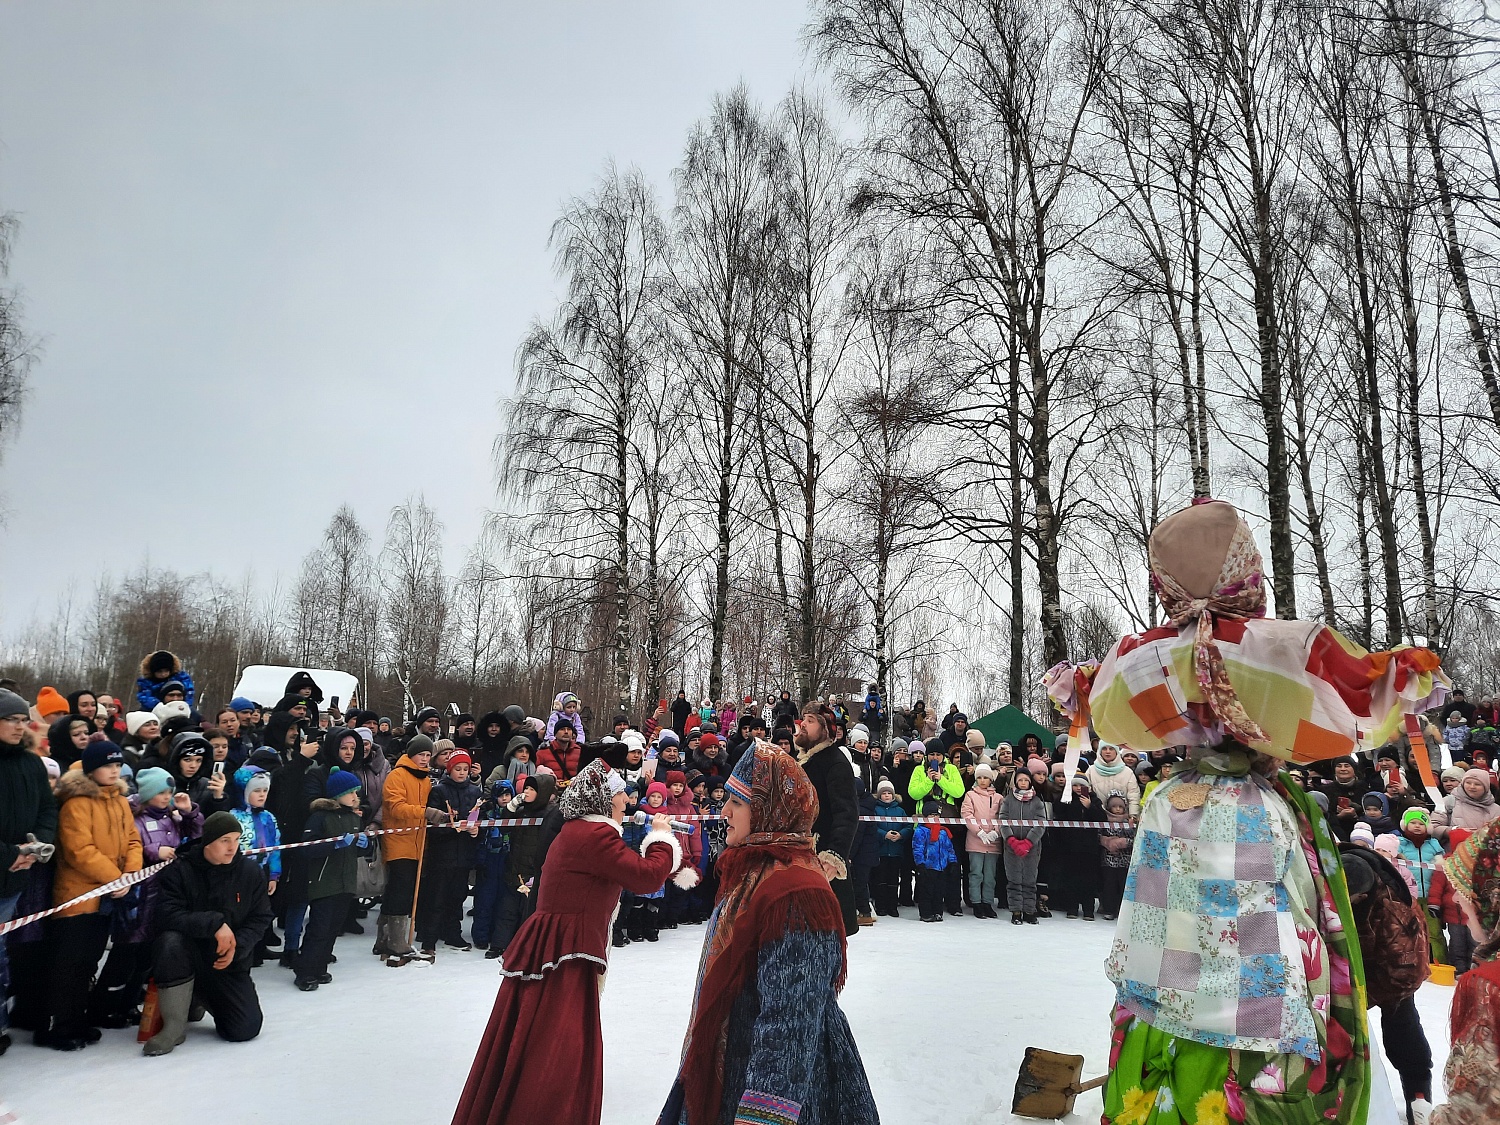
(1392, 933)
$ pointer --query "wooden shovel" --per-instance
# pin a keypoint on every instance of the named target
(1048, 1083)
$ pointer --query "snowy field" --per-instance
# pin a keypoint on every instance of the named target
(942, 1013)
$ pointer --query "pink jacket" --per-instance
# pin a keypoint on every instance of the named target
(981, 804)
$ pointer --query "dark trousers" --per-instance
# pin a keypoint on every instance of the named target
(514, 908)
(860, 876)
(28, 982)
(1460, 947)
(960, 846)
(489, 888)
(122, 981)
(400, 887)
(953, 888)
(440, 906)
(290, 900)
(673, 905)
(887, 885)
(929, 892)
(1112, 889)
(1407, 1047)
(76, 943)
(325, 921)
(228, 994)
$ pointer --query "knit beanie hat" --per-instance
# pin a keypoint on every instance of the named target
(251, 778)
(239, 704)
(459, 758)
(1035, 765)
(982, 770)
(13, 704)
(676, 777)
(859, 733)
(219, 824)
(709, 739)
(1453, 773)
(1362, 833)
(153, 782)
(419, 744)
(974, 739)
(1411, 816)
(916, 746)
(667, 737)
(97, 755)
(135, 720)
(658, 787)
(49, 702)
(341, 782)
(885, 784)
(1388, 844)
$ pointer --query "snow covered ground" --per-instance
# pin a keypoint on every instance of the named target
(942, 1013)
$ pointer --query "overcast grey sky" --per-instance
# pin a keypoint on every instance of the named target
(280, 254)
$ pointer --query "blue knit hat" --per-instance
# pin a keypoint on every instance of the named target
(240, 703)
(153, 782)
(341, 782)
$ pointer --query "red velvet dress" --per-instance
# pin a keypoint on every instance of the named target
(542, 1056)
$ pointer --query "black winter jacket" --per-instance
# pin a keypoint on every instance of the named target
(838, 808)
(26, 805)
(195, 898)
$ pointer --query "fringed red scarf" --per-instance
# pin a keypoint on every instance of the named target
(770, 885)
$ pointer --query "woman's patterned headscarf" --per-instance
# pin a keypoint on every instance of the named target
(591, 792)
(1238, 594)
(1474, 871)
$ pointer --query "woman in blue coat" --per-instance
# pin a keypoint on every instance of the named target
(767, 1040)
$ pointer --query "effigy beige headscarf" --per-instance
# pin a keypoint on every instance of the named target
(1204, 564)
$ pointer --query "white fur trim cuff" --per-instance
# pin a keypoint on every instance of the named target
(668, 838)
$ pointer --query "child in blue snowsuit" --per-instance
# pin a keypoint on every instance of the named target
(489, 864)
(937, 868)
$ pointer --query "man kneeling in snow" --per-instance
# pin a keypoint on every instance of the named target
(212, 909)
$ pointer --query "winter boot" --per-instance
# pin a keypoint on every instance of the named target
(175, 1003)
(651, 924)
(1030, 919)
(618, 937)
(635, 927)
(383, 936)
(1015, 917)
(397, 927)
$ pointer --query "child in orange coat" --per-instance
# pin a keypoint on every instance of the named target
(97, 843)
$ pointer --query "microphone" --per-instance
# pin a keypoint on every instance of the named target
(677, 825)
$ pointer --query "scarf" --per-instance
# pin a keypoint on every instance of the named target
(777, 856)
(1109, 769)
(1238, 595)
(592, 791)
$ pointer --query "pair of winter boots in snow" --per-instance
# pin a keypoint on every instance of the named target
(641, 922)
(391, 942)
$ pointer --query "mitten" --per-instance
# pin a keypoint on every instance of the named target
(345, 840)
(1023, 848)
(1014, 844)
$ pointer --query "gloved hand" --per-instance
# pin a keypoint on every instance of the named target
(990, 835)
(1011, 844)
(345, 840)
(361, 841)
(1023, 848)
(514, 804)
(436, 816)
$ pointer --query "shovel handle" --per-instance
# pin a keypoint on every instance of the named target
(1091, 1084)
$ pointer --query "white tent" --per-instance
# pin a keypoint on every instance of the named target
(266, 684)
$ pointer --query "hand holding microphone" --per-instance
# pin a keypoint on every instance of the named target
(661, 822)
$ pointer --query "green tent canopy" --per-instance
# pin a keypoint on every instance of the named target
(1009, 724)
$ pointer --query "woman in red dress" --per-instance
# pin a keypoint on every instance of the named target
(546, 1017)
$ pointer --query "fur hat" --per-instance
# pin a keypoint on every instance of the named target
(174, 710)
(152, 782)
